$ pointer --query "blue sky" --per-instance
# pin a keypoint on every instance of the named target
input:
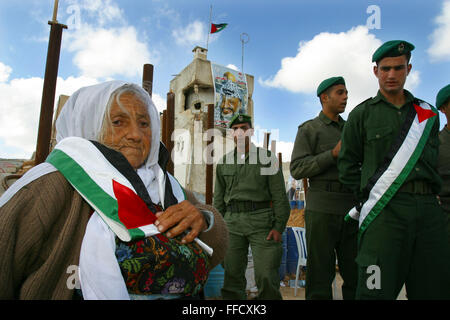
(293, 46)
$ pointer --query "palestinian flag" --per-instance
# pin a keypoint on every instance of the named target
(218, 27)
(105, 188)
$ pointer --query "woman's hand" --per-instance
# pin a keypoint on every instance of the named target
(180, 217)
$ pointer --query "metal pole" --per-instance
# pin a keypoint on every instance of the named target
(209, 166)
(209, 27)
(170, 126)
(147, 78)
(48, 91)
(244, 39)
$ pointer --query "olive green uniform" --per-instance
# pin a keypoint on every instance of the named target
(444, 171)
(253, 203)
(327, 202)
(407, 241)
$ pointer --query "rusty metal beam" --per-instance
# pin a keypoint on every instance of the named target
(209, 166)
(170, 127)
(147, 78)
(48, 92)
(266, 140)
(164, 128)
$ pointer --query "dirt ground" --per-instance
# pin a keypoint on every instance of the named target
(288, 292)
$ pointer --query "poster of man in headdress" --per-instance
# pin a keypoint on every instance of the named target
(230, 94)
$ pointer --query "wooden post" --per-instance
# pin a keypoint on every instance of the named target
(170, 127)
(209, 166)
(280, 161)
(49, 89)
(266, 140)
(164, 128)
(147, 78)
(305, 185)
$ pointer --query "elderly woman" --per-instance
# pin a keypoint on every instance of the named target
(103, 207)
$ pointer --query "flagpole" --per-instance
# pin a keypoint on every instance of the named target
(208, 29)
(244, 39)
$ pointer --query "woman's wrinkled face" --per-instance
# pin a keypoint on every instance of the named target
(128, 130)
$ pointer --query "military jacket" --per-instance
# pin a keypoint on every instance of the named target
(370, 130)
(312, 158)
(256, 178)
(444, 167)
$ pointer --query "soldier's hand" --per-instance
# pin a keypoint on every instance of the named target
(336, 149)
(275, 235)
(180, 217)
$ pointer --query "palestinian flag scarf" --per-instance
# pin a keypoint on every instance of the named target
(105, 179)
(398, 164)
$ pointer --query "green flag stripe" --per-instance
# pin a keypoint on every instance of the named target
(387, 196)
(76, 175)
(136, 233)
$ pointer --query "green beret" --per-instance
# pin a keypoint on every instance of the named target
(393, 48)
(442, 96)
(325, 84)
(239, 118)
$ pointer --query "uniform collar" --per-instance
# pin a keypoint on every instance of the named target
(379, 97)
(327, 120)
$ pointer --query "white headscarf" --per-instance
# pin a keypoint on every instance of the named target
(82, 116)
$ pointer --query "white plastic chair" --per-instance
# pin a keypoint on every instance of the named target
(300, 238)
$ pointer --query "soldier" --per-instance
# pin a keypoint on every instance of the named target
(388, 157)
(250, 192)
(443, 104)
(327, 201)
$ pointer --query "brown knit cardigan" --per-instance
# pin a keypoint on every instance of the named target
(41, 231)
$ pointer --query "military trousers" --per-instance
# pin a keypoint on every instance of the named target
(330, 238)
(251, 228)
(407, 243)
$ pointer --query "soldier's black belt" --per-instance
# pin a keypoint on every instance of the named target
(330, 186)
(244, 206)
(417, 187)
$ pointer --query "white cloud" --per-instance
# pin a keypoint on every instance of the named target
(194, 33)
(20, 110)
(105, 10)
(346, 54)
(102, 53)
(103, 43)
(5, 71)
(440, 38)
(159, 102)
(232, 66)
(285, 147)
